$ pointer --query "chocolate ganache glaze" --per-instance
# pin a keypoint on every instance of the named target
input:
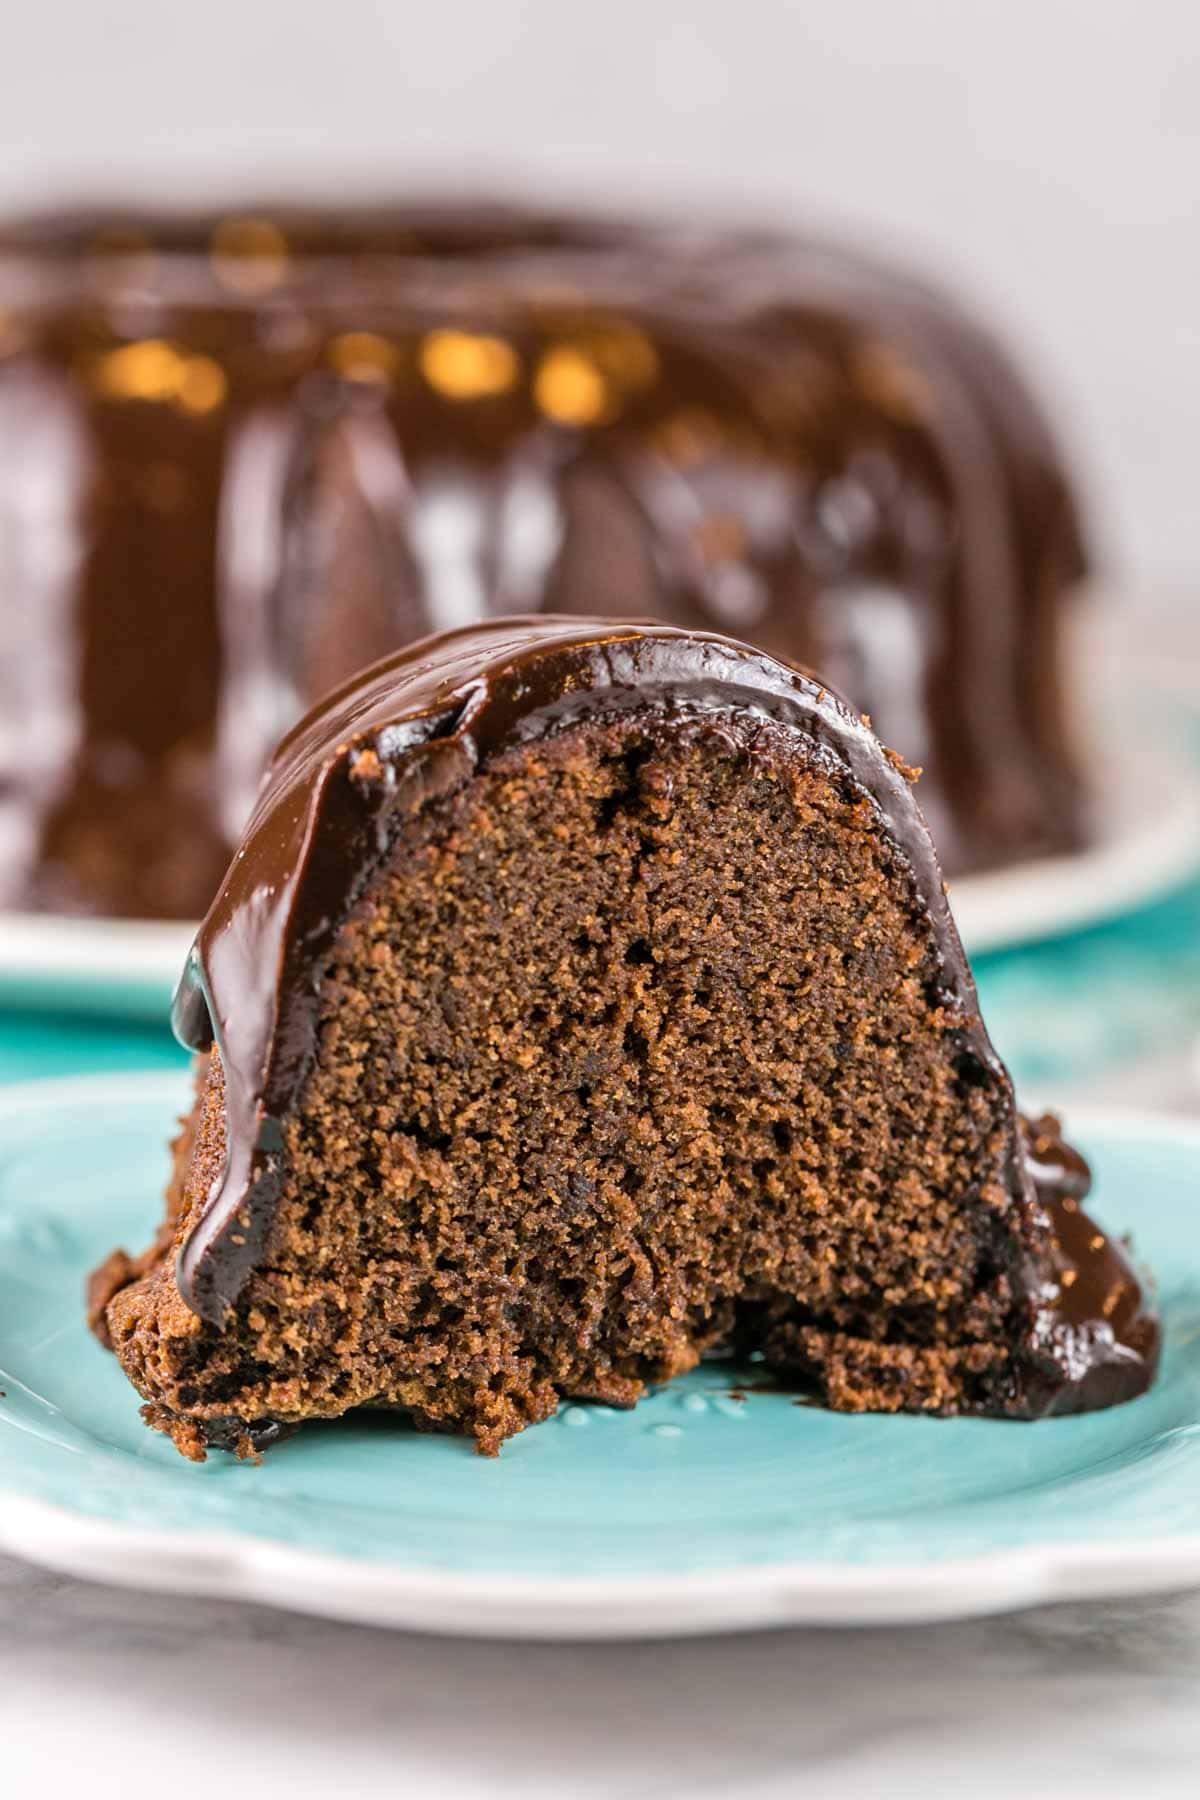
(248, 453)
(418, 725)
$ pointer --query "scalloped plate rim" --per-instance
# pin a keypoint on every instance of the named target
(230, 1566)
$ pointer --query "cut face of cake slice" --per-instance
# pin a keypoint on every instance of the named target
(583, 999)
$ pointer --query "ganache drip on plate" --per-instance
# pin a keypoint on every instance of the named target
(1096, 1323)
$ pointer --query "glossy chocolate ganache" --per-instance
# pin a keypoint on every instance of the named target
(411, 736)
(246, 454)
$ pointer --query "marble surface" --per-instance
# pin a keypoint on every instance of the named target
(125, 1689)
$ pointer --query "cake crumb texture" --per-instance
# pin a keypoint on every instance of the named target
(634, 1049)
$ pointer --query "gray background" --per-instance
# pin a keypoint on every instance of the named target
(1045, 154)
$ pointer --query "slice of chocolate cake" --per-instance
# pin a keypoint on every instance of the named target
(583, 998)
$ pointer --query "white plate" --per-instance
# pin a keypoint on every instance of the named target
(124, 966)
(1148, 842)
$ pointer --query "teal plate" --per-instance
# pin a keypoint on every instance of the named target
(697, 1511)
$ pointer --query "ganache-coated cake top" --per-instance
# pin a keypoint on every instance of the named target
(251, 453)
(418, 725)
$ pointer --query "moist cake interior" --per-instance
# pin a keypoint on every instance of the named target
(633, 1048)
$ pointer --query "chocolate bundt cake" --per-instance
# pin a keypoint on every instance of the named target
(244, 456)
(583, 998)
